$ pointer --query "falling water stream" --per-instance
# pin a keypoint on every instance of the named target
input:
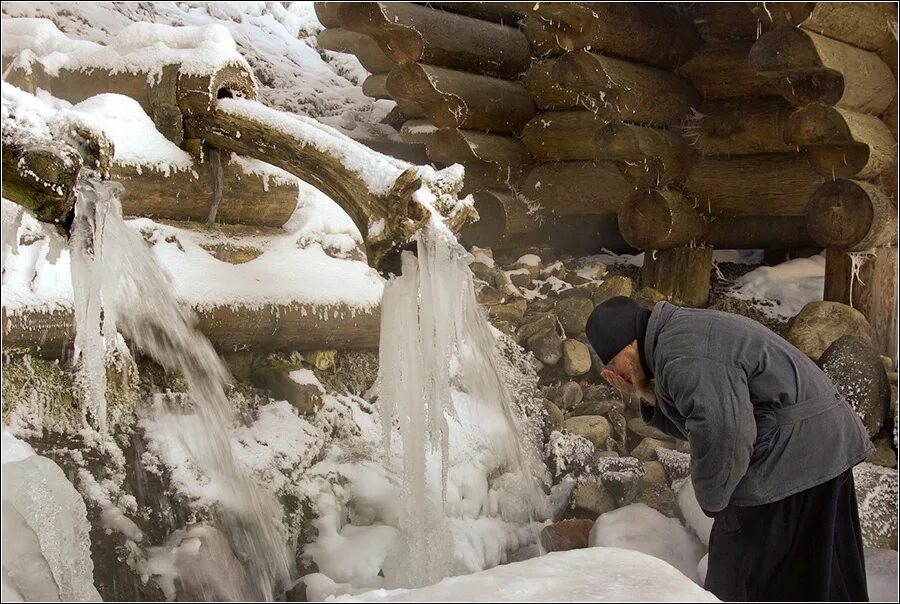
(118, 284)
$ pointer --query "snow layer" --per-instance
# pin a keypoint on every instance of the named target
(791, 285)
(596, 574)
(641, 528)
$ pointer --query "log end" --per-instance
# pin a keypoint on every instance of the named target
(411, 83)
(843, 214)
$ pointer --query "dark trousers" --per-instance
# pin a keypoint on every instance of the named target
(805, 547)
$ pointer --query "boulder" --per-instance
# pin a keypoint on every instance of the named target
(654, 473)
(556, 269)
(576, 358)
(546, 346)
(819, 324)
(884, 455)
(520, 277)
(573, 314)
(482, 271)
(511, 311)
(592, 407)
(648, 297)
(567, 395)
(856, 369)
(489, 296)
(592, 499)
(534, 324)
(660, 497)
(555, 417)
(530, 263)
(646, 449)
(641, 428)
(583, 291)
(613, 286)
(507, 327)
(594, 428)
(876, 494)
(566, 535)
(299, 387)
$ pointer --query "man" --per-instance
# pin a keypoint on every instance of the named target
(772, 445)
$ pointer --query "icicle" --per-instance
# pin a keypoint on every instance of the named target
(857, 260)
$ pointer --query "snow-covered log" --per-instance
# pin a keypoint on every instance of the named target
(771, 184)
(720, 70)
(841, 143)
(852, 215)
(624, 90)
(410, 33)
(648, 156)
(810, 68)
(740, 126)
(457, 99)
(576, 187)
(649, 33)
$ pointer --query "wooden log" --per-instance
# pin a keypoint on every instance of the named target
(502, 217)
(841, 143)
(410, 33)
(740, 127)
(720, 70)
(810, 68)
(370, 55)
(505, 13)
(863, 24)
(726, 20)
(774, 184)
(247, 198)
(541, 83)
(628, 91)
(681, 274)
(648, 33)
(576, 188)
(329, 13)
(851, 215)
(481, 175)
(41, 178)
(267, 327)
(451, 146)
(457, 99)
(647, 156)
(758, 232)
(375, 86)
(868, 283)
(660, 219)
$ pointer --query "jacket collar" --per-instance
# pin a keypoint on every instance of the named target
(658, 317)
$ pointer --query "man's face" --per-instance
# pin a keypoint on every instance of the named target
(624, 371)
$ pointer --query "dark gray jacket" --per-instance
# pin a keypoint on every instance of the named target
(764, 422)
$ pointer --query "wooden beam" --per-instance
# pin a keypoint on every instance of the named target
(721, 70)
(852, 215)
(576, 187)
(740, 127)
(370, 55)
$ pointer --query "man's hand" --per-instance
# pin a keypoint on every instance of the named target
(618, 383)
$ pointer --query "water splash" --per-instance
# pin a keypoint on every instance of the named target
(434, 338)
(118, 284)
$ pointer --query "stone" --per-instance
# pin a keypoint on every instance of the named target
(573, 314)
(884, 455)
(641, 428)
(489, 296)
(584, 291)
(622, 478)
(575, 279)
(557, 269)
(511, 311)
(676, 464)
(530, 263)
(648, 297)
(555, 416)
(876, 494)
(483, 271)
(819, 324)
(594, 428)
(323, 360)
(542, 322)
(593, 499)
(535, 364)
(654, 473)
(240, 363)
(297, 592)
(888, 364)
(507, 327)
(646, 449)
(598, 269)
(576, 358)
(306, 398)
(567, 395)
(855, 368)
(482, 252)
(541, 305)
(520, 277)
(592, 407)
(546, 346)
(661, 498)
(613, 286)
(566, 535)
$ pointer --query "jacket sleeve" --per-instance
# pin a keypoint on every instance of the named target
(714, 399)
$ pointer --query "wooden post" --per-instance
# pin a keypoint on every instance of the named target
(681, 274)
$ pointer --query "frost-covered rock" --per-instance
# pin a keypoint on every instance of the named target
(604, 574)
(46, 536)
(641, 528)
(567, 395)
(856, 370)
(546, 346)
(876, 494)
(594, 428)
(592, 499)
(676, 463)
(576, 358)
(819, 324)
(573, 314)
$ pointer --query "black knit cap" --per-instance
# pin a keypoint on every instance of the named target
(615, 324)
